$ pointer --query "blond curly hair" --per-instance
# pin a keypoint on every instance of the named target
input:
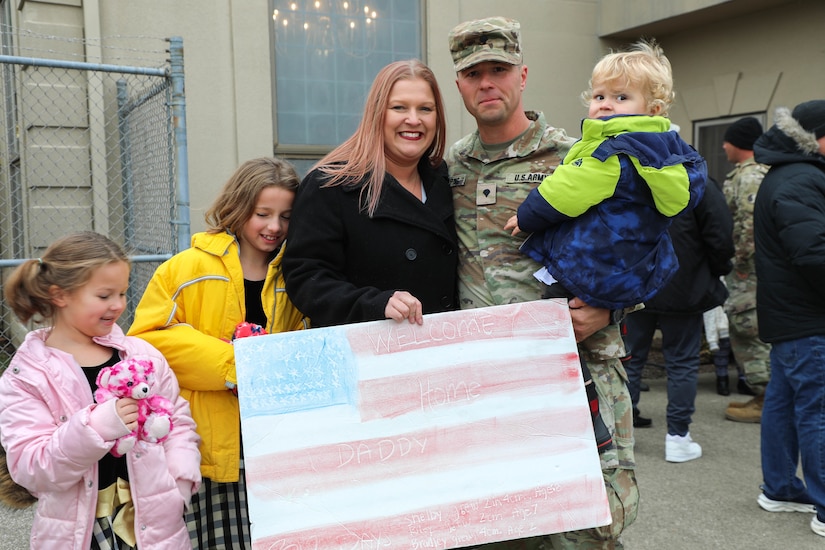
(642, 65)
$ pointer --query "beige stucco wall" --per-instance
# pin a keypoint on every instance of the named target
(228, 69)
(617, 15)
(752, 63)
(228, 80)
(630, 18)
(748, 63)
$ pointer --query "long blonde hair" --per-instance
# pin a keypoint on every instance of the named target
(66, 264)
(363, 153)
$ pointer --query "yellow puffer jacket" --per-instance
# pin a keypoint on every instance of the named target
(189, 312)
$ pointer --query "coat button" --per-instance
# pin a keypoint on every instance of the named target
(63, 418)
(446, 249)
(445, 302)
(411, 254)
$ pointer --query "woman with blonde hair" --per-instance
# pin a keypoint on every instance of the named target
(373, 235)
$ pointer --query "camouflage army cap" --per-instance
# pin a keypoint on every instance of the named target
(490, 39)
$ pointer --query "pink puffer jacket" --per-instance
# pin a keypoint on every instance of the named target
(54, 436)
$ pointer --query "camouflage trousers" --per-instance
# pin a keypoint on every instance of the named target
(619, 477)
(617, 469)
(751, 354)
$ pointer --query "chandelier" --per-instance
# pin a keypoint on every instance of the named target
(326, 26)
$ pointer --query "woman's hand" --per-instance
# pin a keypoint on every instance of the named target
(403, 305)
(587, 320)
(127, 410)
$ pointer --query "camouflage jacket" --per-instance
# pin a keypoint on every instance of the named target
(740, 187)
(487, 191)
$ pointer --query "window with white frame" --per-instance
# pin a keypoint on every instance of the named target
(327, 53)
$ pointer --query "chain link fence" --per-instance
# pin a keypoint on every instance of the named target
(87, 146)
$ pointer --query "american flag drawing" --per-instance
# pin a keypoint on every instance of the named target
(472, 428)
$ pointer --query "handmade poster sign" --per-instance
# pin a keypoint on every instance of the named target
(472, 428)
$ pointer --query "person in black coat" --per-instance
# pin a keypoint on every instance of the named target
(703, 240)
(789, 230)
(372, 234)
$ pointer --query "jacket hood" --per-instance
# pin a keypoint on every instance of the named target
(786, 141)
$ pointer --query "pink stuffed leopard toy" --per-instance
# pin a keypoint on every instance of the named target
(135, 378)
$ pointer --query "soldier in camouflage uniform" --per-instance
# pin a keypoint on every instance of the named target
(491, 172)
(740, 187)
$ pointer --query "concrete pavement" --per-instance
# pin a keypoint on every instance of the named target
(705, 504)
(710, 502)
(14, 528)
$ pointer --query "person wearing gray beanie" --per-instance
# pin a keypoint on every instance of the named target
(789, 229)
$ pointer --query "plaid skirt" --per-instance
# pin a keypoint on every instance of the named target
(218, 517)
(114, 518)
(103, 538)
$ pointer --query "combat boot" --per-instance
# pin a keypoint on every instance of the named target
(750, 412)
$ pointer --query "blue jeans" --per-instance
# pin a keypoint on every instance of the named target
(681, 344)
(793, 421)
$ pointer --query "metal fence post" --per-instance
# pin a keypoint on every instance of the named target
(178, 104)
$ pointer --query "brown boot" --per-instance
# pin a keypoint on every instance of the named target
(750, 412)
(760, 390)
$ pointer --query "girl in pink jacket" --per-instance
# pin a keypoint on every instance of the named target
(58, 440)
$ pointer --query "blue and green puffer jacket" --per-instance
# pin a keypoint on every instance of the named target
(599, 222)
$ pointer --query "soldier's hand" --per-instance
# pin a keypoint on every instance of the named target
(587, 319)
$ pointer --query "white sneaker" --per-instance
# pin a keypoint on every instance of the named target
(681, 448)
(771, 505)
(818, 527)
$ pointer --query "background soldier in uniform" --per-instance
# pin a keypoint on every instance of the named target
(740, 187)
(491, 172)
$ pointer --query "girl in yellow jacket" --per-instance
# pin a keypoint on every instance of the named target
(191, 307)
